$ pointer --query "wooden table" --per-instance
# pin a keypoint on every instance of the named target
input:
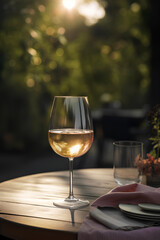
(26, 203)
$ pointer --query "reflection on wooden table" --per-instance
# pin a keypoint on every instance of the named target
(27, 210)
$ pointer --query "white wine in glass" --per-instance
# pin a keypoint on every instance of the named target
(70, 135)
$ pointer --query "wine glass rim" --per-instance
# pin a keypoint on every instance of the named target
(70, 96)
(127, 143)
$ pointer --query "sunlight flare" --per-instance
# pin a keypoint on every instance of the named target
(69, 4)
(92, 11)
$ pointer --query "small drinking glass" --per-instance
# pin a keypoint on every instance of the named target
(70, 135)
(125, 155)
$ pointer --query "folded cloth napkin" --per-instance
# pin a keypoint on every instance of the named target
(115, 219)
(129, 194)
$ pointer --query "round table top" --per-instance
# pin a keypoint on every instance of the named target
(26, 203)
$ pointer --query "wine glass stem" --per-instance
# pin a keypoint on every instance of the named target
(71, 179)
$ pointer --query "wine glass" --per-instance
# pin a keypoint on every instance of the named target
(70, 135)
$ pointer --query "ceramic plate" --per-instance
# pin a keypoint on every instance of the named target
(136, 212)
(141, 217)
(149, 207)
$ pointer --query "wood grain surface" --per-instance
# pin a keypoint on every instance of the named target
(26, 203)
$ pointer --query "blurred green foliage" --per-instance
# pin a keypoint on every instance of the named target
(47, 50)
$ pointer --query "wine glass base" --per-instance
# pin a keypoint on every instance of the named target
(71, 204)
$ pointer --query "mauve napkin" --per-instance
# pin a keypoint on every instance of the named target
(131, 194)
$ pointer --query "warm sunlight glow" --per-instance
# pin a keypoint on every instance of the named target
(92, 11)
(75, 149)
(69, 4)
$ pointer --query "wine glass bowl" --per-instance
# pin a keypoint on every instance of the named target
(70, 135)
(69, 142)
